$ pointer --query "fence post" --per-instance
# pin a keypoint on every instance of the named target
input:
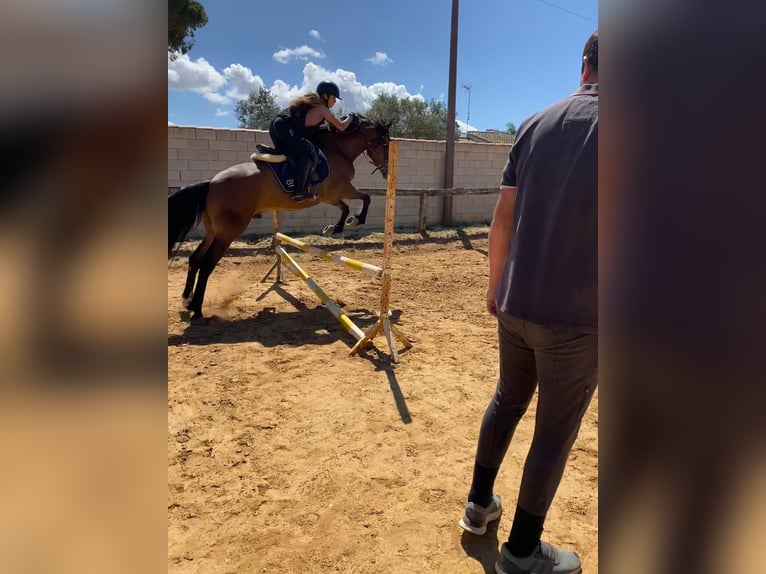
(422, 212)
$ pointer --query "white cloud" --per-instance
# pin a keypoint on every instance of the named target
(219, 112)
(299, 53)
(464, 127)
(216, 98)
(242, 81)
(356, 96)
(194, 76)
(237, 81)
(380, 59)
(172, 123)
(315, 34)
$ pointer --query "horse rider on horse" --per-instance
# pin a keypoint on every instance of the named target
(295, 129)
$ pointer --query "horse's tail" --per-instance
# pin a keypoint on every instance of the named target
(185, 208)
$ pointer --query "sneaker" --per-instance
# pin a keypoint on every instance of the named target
(477, 517)
(546, 559)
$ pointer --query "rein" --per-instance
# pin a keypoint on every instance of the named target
(378, 141)
(369, 160)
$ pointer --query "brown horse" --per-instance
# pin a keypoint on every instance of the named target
(228, 202)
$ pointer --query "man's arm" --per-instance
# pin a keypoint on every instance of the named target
(500, 236)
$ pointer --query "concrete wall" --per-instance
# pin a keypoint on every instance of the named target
(196, 154)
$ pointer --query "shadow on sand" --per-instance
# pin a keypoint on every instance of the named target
(304, 326)
(483, 549)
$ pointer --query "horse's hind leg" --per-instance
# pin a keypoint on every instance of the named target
(210, 259)
(338, 227)
(195, 260)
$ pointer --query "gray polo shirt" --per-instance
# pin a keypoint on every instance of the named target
(551, 274)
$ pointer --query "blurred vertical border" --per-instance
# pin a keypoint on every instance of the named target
(83, 115)
(682, 471)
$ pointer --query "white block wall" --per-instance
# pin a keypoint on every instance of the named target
(196, 154)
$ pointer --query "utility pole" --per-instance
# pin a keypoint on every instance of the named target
(467, 87)
(449, 159)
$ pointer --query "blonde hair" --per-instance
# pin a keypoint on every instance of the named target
(310, 99)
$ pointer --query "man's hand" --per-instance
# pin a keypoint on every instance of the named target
(491, 304)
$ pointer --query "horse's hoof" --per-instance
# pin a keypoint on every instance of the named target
(329, 230)
(198, 319)
(352, 221)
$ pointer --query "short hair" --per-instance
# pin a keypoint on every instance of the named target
(590, 52)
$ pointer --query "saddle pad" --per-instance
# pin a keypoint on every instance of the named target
(285, 173)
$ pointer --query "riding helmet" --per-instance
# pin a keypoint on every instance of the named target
(330, 88)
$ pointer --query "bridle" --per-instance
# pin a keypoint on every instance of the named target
(380, 141)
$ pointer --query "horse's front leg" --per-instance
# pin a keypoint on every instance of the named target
(350, 192)
(338, 227)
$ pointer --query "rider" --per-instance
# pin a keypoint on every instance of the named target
(293, 129)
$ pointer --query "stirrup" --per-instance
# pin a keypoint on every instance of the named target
(305, 196)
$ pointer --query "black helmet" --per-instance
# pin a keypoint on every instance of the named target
(330, 88)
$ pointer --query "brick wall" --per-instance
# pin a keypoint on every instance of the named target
(196, 154)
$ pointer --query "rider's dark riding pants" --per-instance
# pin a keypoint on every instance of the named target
(285, 139)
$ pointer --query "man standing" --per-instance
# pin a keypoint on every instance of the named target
(543, 273)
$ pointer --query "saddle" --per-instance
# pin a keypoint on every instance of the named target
(267, 154)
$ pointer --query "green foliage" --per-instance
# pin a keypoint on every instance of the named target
(257, 111)
(510, 128)
(412, 118)
(184, 16)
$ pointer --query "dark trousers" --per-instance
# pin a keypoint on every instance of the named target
(565, 364)
(286, 140)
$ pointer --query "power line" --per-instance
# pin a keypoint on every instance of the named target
(552, 5)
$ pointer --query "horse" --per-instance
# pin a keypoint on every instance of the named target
(227, 202)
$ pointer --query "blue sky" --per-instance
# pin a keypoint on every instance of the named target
(518, 56)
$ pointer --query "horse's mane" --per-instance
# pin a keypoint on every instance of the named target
(372, 122)
(329, 137)
(364, 122)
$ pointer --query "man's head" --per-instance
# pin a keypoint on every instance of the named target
(589, 71)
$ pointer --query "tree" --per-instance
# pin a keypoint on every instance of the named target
(510, 128)
(412, 118)
(257, 111)
(184, 16)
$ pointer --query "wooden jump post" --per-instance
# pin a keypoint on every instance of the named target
(277, 260)
(383, 324)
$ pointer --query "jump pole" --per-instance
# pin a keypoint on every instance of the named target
(384, 321)
(367, 268)
(342, 318)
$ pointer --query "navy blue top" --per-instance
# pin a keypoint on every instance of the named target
(551, 274)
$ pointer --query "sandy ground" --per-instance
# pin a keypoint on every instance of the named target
(285, 454)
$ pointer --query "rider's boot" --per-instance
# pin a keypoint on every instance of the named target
(302, 172)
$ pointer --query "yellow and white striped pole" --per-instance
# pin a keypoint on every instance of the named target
(342, 318)
(367, 268)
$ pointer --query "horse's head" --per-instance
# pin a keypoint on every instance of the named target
(376, 140)
(362, 136)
